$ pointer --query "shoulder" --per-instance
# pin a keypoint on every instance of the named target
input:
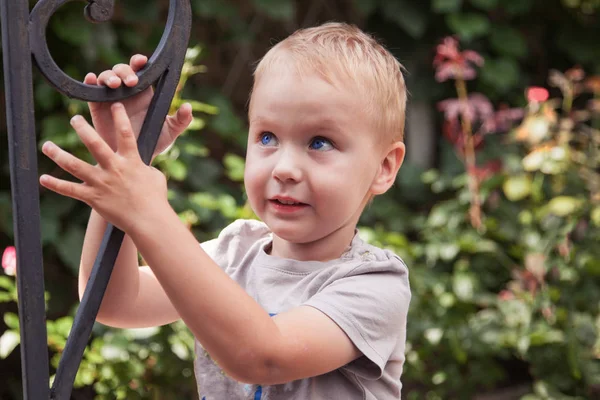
(236, 240)
(370, 258)
(251, 228)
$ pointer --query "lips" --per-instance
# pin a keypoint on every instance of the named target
(288, 201)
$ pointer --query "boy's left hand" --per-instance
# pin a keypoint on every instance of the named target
(121, 188)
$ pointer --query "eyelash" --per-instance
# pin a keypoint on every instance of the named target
(262, 135)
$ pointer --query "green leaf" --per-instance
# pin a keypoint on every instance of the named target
(11, 320)
(196, 125)
(195, 149)
(276, 9)
(595, 216)
(446, 6)
(502, 74)
(46, 96)
(463, 285)
(448, 251)
(202, 107)
(8, 341)
(508, 41)
(176, 169)
(469, 26)
(406, 14)
(214, 8)
(70, 246)
(563, 205)
(365, 7)
(235, 166)
(517, 7)
(6, 283)
(75, 31)
(517, 187)
(486, 5)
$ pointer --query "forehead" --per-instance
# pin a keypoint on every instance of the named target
(306, 96)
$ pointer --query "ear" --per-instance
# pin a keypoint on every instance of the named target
(388, 169)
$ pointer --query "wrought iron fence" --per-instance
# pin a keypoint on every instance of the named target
(24, 44)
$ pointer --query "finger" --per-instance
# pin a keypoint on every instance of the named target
(74, 190)
(126, 142)
(68, 162)
(126, 74)
(110, 79)
(179, 122)
(99, 149)
(90, 79)
(137, 62)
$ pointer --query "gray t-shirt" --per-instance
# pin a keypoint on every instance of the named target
(366, 292)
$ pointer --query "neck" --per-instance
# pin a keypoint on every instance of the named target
(326, 248)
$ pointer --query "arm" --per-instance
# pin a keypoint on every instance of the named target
(133, 298)
(235, 330)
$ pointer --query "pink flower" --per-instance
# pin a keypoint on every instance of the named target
(9, 261)
(536, 94)
(476, 108)
(506, 117)
(451, 63)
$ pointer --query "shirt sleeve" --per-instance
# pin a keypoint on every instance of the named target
(233, 242)
(371, 308)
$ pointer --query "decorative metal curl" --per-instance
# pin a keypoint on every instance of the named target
(24, 35)
(99, 10)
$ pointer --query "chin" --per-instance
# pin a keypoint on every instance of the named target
(292, 231)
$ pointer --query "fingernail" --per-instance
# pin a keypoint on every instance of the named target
(47, 146)
(113, 80)
(131, 79)
(75, 119)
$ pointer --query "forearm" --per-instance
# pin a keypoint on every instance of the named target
(231, 326)
(123, 287)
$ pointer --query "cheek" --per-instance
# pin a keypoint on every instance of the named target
(254, 178)
(346, 181)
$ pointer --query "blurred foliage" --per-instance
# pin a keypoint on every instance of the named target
(513, 301)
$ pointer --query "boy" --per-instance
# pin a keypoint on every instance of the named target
(296, 306)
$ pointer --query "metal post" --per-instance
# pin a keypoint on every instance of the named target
(23, 35)
(22, 154)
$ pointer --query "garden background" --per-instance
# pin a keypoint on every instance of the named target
(496, 210)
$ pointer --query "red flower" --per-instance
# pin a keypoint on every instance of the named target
(9, 261)
(536, 94)
(505, 295)
(451, 63)
(485, 171)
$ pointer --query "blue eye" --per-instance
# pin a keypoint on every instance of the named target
(267, 139)
(320, 143)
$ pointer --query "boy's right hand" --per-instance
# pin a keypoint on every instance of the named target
(136, 106)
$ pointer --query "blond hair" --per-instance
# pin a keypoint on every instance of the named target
(337, 51)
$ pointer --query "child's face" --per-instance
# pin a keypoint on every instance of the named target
(311, 143)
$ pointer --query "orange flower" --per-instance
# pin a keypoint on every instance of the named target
(593, 84)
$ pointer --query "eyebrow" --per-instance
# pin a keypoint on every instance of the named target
(325, 123)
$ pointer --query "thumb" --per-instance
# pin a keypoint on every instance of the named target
(179, 122)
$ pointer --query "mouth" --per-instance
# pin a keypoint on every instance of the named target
(287, 201)
(287, 204)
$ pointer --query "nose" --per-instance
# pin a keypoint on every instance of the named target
(288, 167)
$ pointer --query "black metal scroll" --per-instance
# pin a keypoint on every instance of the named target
(24, 35)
